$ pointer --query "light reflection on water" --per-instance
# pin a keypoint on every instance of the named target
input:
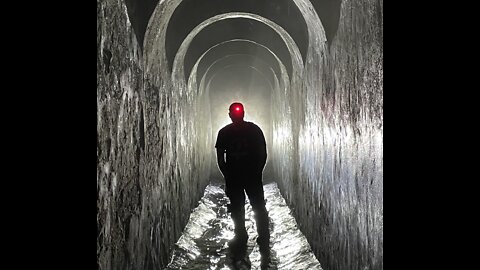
(203, 244)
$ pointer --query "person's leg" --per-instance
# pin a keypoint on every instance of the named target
(255, 194)
(235, 193)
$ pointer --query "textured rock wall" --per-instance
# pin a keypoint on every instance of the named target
(150, 168)
(334, 148)
(120, 137)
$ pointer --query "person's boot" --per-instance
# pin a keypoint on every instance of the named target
(263, 240)
(264, 245)
(265, 262)
(238, 244)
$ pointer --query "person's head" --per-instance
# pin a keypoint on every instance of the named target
(236, 112)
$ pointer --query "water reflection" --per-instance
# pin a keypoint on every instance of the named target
(203, 244)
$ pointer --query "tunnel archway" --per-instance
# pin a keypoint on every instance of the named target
(140, 12)
(236, 47)
(272, 37)
(228, 29)
(239, 59)
(291, 53)
(281, 12)
(312, 34)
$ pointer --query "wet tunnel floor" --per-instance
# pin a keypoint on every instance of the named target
(203, 244)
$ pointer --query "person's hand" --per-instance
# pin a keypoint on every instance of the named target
(226, 176)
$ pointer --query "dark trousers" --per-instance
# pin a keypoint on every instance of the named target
(237, 184)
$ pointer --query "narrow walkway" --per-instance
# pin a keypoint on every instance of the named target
(203, 244)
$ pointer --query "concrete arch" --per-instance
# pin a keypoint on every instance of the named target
(239, 71)
(179, 63)
(238, 28)
(154, 53)
(237, 46)
(239, 59)
(280, 74)
(283, 13)
(189, 13)
(280, 80)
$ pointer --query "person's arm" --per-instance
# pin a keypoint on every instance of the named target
(262, 156)
(262, 150)
(222, 165)
(221, 149)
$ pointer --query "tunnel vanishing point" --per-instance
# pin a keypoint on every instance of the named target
(310, 73)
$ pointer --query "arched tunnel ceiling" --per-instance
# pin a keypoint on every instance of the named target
(236, 74)
(240, 60)
(236, 47)
(236, 28)
(190, 13)
(139, 12)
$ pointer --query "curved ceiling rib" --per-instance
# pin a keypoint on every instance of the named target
(190, 13)
(197, 42)
(236, 47)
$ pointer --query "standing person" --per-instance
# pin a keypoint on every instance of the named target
(241, 157)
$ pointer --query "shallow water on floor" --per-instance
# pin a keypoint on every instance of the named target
(203, 244)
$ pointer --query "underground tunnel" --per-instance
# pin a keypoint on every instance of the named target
(310, 74)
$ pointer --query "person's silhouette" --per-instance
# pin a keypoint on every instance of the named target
(241, 156)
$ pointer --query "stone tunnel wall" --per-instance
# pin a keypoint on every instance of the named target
(144, 192)
(335, 188)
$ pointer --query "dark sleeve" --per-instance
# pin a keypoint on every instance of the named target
(221, 140)
(259, 137)
(261, 155)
